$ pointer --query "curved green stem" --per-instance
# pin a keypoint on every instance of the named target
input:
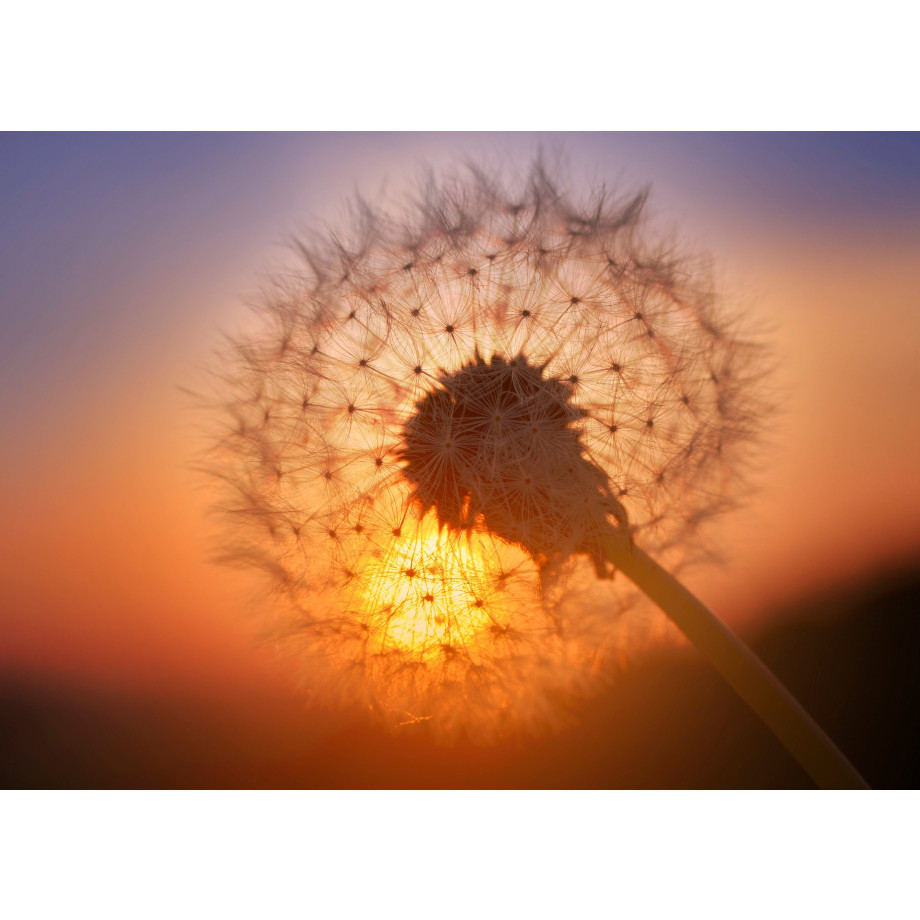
(743, 670)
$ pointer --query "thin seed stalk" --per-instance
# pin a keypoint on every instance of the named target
(748, 676)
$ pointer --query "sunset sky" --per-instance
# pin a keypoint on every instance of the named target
(124, 256)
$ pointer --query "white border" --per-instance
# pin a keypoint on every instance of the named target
(480, 65)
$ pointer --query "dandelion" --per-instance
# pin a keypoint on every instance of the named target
(459, 423)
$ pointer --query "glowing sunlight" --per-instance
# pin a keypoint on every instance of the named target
(431, 592)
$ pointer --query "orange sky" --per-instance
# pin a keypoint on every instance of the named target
(103, 535)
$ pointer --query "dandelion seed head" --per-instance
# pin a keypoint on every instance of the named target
(445, 417)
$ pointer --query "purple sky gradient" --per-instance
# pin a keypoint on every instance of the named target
(122, 256)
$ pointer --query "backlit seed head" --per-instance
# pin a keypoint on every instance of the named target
(445, 417)
(496, 445)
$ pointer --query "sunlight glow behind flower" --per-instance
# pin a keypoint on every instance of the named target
(430, 593)
(447, 416)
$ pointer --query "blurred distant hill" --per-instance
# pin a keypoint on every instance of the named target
(851, 657)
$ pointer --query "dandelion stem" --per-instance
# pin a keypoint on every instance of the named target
(743, 670)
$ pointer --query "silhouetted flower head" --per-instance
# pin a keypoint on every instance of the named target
(447, 413)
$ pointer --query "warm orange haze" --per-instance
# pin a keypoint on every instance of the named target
(431, 599)
(128, 255)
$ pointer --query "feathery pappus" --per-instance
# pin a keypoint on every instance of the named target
(451, 409)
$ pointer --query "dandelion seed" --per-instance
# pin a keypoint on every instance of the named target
(526, 360)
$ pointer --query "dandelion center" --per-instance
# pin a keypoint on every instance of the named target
(494, 445)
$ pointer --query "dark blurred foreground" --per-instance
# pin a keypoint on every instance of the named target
(852, 659)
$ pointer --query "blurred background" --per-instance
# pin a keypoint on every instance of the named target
(126, 658)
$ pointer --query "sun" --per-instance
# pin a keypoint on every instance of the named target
(431, 593)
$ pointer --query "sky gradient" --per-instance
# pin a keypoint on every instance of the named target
(122, 257)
